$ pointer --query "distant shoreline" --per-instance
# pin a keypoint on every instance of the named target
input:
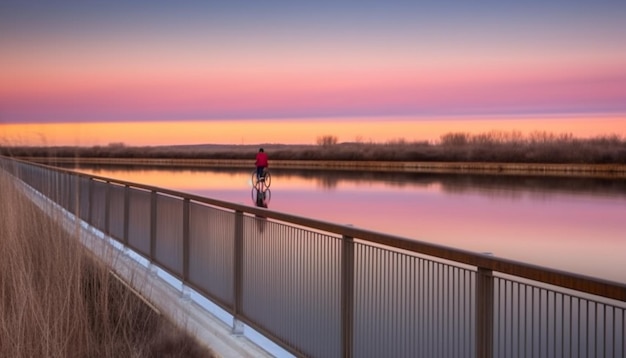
(616, 171)
(495, 152)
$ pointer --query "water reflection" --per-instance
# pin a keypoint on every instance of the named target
(261, 196)
(462, 183)
(573, 224)
(330, 180)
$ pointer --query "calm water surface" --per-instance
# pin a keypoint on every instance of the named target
(572, 224)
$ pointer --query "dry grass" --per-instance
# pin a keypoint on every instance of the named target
(57, 301)
(494, 146)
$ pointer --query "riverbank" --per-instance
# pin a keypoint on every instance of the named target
(491, 147)
(571, 169)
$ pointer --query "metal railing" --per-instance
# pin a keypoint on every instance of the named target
(325, 290)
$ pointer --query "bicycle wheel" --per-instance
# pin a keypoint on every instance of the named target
(255, 179)
(267, 179)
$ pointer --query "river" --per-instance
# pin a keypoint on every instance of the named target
(567, 223)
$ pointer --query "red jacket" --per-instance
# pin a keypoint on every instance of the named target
(261, 159)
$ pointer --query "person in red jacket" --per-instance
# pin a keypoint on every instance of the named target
(261, 163)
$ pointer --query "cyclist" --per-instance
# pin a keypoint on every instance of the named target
(261, 164)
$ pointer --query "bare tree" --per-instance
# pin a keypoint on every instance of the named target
(326, 140)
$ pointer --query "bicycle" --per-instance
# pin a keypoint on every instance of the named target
(263, 181)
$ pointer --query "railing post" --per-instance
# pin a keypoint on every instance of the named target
(73, 205)
(347, 296)
(126, 213)
(185, 240)
(107, 208)
(90, 203)
(77, 191)
(153, 224)
(484, 313)
(238, 273)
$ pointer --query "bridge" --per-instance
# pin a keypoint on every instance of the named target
(319, 289)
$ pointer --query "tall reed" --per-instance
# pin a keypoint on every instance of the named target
(56, 300)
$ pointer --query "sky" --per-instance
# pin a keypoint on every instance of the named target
(163, 72)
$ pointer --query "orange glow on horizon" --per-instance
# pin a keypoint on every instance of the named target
(296, 131)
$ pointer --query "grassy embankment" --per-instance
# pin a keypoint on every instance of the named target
(56, 300)
(490, 147)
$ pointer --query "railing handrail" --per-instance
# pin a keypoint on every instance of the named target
(568, 280)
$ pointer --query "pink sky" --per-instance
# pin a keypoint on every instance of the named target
(156, 62)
